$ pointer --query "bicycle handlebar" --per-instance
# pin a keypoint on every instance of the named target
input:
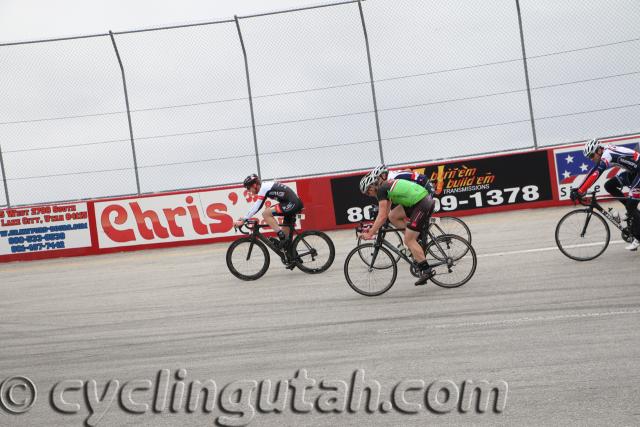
(582, 199)
(249, 224)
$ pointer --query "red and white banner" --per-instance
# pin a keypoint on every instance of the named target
(172, 218)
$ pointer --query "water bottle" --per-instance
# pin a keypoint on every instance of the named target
(615, 215)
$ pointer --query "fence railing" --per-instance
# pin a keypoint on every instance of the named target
(321, 89)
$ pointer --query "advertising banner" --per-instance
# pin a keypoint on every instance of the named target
(182, 217)
(572, 168)
(514, 179)
(44, 228)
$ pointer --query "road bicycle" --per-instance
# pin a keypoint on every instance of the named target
(248, 257)
(583, 234)
(439, 225)
(374, 271)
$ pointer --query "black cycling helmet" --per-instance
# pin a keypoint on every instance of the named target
(251, 179)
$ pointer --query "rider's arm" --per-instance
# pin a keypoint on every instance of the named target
(261, 197)
(592, 176)
(383, 213)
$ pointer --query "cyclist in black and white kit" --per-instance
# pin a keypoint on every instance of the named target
(289, 204)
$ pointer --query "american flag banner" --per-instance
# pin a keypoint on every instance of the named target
(572, 168)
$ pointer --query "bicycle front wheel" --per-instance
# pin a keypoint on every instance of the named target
(314, 251)
(363, 272)
(455, 262)
(394, 237)
(582, 235)
(248, 259)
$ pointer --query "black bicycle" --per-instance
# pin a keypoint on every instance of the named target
(583, 234)
(439, 226)
(248, 258)
(374, 271)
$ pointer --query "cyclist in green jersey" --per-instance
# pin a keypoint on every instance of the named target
(418, 206)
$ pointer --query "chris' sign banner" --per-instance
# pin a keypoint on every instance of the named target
(514, 179)
(172, 218)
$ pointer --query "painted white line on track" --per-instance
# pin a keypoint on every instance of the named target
(516, 321)
(550, 248)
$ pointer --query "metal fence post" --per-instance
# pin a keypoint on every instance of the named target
(526, 76)
(4, 179)
(126, 100)
(373, 86)
(253, 119)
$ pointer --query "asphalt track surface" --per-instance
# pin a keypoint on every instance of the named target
(563, 335)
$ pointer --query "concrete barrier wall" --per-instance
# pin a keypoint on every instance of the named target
(476, 185)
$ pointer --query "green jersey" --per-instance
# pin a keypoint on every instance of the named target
(401, 192)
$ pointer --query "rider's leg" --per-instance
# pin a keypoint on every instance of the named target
(398, 217)
(411, 241)
(272, 221)
(632, 211)
(418, 220)
(614, 187)
(289, 212)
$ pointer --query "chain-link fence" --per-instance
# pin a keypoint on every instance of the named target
(314, 90)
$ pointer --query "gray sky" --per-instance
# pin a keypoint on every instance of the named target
(37, 19)
(449, 82)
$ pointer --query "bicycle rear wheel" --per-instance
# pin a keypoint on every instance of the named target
(582, 235)
(457, 260)
(248, 259)
(451, 225)
(314, 251)
(364, 274)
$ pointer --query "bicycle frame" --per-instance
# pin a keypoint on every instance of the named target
(381, 241)
(594, 205)
(255, 234)
(285, 256)
(421, 238)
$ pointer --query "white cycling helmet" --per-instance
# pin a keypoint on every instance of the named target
(590, 147)
(379, 171)
(366, 181)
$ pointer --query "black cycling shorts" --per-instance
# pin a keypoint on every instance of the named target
(420, 213)
(627, 179)
(288, 211)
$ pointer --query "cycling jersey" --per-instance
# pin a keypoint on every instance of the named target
(288, 199)
(409, 175)
(401, 192)
(416, 177)
(613, 155)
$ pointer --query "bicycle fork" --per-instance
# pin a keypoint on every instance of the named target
(586, 224)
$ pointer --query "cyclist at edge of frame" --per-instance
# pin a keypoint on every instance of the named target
(382, 173)
(418, 205)
(289, 204)
(605, 156)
